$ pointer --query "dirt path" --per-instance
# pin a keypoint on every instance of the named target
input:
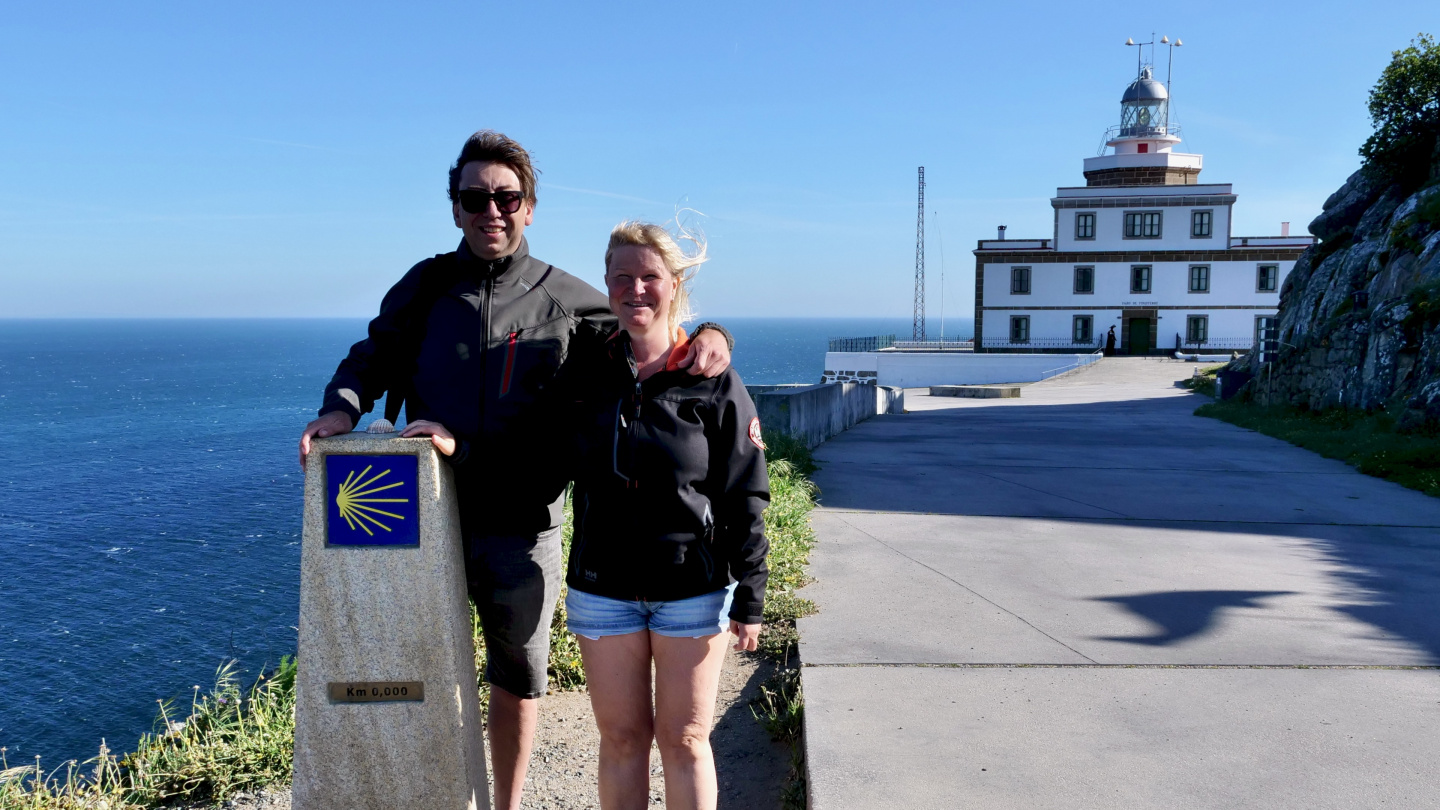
(751, 768)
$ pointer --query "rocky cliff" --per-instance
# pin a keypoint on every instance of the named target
(1360, 312)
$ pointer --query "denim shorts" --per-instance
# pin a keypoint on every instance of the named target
(594, 616)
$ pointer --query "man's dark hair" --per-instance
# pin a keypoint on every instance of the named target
(490, 146)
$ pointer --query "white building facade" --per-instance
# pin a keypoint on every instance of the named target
(1143, 248)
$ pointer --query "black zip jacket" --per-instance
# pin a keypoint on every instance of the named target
(472, 344)
(670, 483)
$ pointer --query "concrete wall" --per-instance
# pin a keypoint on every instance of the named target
(843, 367)
(922, 369)
(814, 413)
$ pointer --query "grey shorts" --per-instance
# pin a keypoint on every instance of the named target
(514, 582)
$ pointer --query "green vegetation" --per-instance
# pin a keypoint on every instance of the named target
(1204, 382)
(231, 740)
(1424, 304)
(1406, 237)
(234, 739)
(781, 705)
(1369, 442)
(1405, 109)
(781, 709)
(787, 525)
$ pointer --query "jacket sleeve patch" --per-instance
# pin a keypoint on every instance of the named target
(755, 432)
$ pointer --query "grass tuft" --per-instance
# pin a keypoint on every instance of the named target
(232, 740)
(787, 526)
(781, 704)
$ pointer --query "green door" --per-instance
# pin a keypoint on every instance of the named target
(1139, 335)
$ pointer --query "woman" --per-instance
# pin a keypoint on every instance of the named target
(669, 546)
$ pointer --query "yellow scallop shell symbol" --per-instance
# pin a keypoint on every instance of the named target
(356, 495)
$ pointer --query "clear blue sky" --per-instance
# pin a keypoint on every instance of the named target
(289, 159)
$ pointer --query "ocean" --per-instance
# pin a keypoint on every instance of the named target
(150, 522)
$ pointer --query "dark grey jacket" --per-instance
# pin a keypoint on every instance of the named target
(472, 344)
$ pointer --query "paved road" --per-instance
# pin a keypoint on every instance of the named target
(1090, 598)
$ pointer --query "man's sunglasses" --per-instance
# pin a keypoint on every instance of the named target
(478, 202)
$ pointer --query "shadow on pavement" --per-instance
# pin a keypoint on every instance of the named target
(1182, 614)
(1151, 463)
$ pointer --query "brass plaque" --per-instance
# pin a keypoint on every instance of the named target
(375, 691)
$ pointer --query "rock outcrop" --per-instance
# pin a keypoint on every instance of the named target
(1360, 312)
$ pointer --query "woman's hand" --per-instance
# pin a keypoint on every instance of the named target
(747, 636)
(443, 439)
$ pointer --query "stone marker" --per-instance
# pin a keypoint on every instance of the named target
(387, 714)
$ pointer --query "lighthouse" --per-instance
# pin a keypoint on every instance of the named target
(1143, 250)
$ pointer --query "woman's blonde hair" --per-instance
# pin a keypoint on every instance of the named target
(682, 264)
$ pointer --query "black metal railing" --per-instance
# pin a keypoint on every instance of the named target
(935, 345)
(862, 344)
(1214, 344)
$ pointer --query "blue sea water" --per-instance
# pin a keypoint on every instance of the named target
(150, 515)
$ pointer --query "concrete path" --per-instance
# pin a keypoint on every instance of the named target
(1090, 598)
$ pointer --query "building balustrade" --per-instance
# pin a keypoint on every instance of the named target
(862, 344)
(1142, 131)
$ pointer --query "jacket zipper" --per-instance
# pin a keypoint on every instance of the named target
(509, 362)
(630, 425)
(486, 291)
(709, 562)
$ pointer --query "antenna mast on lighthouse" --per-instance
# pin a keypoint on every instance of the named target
(919, 323)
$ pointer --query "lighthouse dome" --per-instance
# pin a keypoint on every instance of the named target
(1144, 90)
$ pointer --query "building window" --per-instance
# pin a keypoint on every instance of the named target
(1267, 278)
(1197, 328)
(1084, 280)
(1140, 278)
(1019, 328)
(1142, 225)
(1084, 329)
(1199, 278)
(1202, 224)
(1084, 226)
(1019, 281)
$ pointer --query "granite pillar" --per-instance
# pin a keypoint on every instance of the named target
(387, 713)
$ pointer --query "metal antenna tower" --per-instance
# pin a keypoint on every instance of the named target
(919, 324)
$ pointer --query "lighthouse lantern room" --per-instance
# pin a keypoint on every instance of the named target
(1143, 143)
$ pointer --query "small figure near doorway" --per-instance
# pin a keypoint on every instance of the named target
(1110, 343)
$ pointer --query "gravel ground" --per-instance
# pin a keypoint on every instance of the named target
(752, 769)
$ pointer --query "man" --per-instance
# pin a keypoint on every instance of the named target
(469, 340)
